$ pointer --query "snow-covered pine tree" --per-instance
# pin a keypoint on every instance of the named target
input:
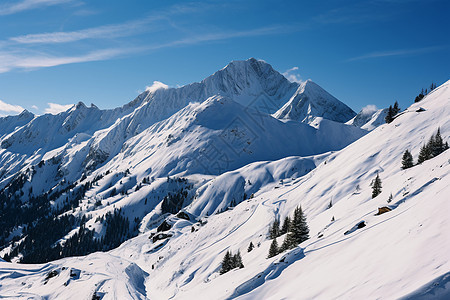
(273, 250)
(407, 160)
(376, 188)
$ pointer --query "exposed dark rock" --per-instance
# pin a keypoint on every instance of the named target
(161, 236)
(164, 226)
(183, 215)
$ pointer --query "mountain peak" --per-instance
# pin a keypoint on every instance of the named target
(80, 105)
(260, 68)
(25, 113)
(310, 101)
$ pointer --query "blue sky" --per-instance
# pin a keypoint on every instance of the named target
(58, 52)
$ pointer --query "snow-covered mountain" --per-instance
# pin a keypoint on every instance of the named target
(369, 118)
(84, 138)
(225, 128)
(310, 101)
(10, 123)
(72, 161)
(177, 177)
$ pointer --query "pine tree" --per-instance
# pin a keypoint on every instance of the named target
(273, 250)
(230, 262)
(390, 115)
(407, 160)
(390, 198)
(237, 261)
(226, 263)
(275, 229)
(285, 227)
(437, 145)
(330, 205)
(432, 86)
(298, 231)
(396, 108)
(376, 188)
(285, 245)
(424, 154)
(250, 247)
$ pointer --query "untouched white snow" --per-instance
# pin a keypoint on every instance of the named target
(401, 253)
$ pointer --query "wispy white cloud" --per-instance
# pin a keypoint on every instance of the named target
(26, 59)
(13, 7)
(12, 61)
(101, 32)
(55, 108)
(135, 27)
(292, 75)
(401, 52)
(34, 107)
(38, 50)
(8, 109)
(219, 36)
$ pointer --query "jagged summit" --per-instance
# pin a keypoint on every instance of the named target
(82, 105)
(250, 68)
(25, 113)
(310, 101)
(249, 77)
(251, 83)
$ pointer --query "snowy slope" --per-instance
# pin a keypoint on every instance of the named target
(390, 250)
(404, 252)
(219, 135)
